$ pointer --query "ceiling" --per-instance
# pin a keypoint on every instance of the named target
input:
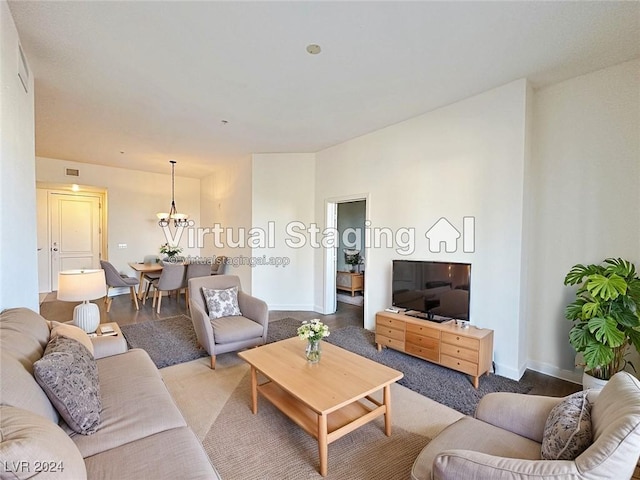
(134, 84)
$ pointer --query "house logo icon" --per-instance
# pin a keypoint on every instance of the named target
(443, 232)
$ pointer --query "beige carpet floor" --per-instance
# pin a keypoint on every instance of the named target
(243, 446)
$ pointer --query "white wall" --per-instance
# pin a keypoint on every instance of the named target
(283, 186)
(18, 261)
(226, 200)
(466, 159)
(133, 198)
(586, 172)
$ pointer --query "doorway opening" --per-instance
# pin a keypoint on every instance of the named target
(345, 263)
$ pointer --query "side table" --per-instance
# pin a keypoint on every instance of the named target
(107, 345)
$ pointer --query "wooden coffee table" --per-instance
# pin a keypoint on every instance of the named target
(328, 399)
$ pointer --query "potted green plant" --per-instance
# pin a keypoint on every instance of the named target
(604, 314)
(353, 258)
(171, 251)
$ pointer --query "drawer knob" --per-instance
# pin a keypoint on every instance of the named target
(458, 350)
(457, 338)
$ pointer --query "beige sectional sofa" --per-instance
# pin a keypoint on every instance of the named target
(142, 434)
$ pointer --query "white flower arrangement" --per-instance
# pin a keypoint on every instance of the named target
(313, 330)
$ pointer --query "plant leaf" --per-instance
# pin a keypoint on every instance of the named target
(634, 338)
(574, 309)
(580, 336)
(597, 354)
(606, 331)
(622, 267)
(579, 272)
(590, 309)
(606, 288)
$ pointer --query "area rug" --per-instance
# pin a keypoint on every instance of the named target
(270, 446)
(355, 300)
(441, 384)
(168, 341)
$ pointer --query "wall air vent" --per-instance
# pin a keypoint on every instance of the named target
(23, 69)
(72, 172)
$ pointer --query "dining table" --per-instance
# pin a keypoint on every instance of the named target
(143, 268)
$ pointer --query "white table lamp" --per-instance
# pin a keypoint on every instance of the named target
(82, 286)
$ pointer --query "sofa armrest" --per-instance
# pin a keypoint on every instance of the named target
(106, 346)
(253, 308)
(521, 414)
(457, 464)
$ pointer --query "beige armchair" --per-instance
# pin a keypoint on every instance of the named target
(227, 334)
(504, 440)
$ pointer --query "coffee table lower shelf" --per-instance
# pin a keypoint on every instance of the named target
(325, 428)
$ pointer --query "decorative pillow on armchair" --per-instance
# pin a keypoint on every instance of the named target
(221, 303)
(68, 374)
(567, 432)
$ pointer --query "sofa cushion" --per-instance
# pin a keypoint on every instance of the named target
(23, 337)
(69, 376)
(19, 389)
(32, 446)
(174, 453)
(235, 329)
(71, 331)
(135, 403)
(567, 431)
(221, 303)
(471, 434)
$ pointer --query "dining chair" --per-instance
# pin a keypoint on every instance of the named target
(195, 270)
(171, 278)
(218, 265)
(150, 276)
(115, 279)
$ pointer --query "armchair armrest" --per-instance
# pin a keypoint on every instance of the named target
(253, 308)
(521, 414)
(457, 464)
(202, 326)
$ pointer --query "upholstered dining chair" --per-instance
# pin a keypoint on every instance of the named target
(218, 265)
(150, 276)
(115, 279)
(230, 333)
(195, 270)
(171, 279)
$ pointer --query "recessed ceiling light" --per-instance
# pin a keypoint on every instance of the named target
(314, 49)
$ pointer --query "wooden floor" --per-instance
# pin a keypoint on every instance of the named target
(123, 311)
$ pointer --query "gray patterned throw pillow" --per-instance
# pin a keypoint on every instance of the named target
(68, 374)
(567, 432)
(221, 303)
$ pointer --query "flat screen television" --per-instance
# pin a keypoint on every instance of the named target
(432, 290)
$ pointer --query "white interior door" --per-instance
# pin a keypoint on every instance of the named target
(74, 233)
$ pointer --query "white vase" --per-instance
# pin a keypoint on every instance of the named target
(592, 382)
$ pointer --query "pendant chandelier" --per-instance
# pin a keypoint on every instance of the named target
(179, 219)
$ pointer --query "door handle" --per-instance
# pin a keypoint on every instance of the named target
(54, 249)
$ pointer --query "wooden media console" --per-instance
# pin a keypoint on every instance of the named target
(467, 350)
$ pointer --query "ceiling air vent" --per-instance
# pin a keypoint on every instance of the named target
(72, 172)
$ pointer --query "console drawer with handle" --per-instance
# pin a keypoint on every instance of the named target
(460, 352)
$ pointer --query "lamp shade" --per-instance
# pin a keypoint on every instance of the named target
(81, 285)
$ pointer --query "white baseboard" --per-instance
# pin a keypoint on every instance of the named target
(115, 291)
(303, 307)
(553, 371)
(508, 372)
